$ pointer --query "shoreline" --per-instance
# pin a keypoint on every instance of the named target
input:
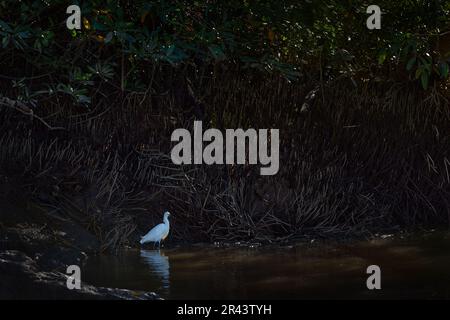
(32, 259)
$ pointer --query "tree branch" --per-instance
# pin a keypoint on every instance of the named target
(22, 108)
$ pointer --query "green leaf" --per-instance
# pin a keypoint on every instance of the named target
(217, 52)
(382, 57)
(419, 72)
(109, 37)
(411, 63)
(24, 34)
(5, 41)
(424, 79)
(443, 69)
(99, 26)
(170, 50)
(5, 26)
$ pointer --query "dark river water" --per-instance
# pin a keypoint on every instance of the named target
(417, 267)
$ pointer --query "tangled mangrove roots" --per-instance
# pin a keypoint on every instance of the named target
(356, 161)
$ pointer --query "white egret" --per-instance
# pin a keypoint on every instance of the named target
(159, 232)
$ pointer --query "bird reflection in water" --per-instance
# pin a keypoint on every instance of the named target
(159, 266)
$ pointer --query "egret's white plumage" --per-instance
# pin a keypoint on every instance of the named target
(159, 232)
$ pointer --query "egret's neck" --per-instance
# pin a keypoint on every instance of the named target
(166, 220)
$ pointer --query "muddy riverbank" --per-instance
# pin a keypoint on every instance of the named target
(35, 251)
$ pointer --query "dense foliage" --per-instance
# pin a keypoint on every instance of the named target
(121, 40)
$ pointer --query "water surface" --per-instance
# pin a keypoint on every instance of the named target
(415, 268)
